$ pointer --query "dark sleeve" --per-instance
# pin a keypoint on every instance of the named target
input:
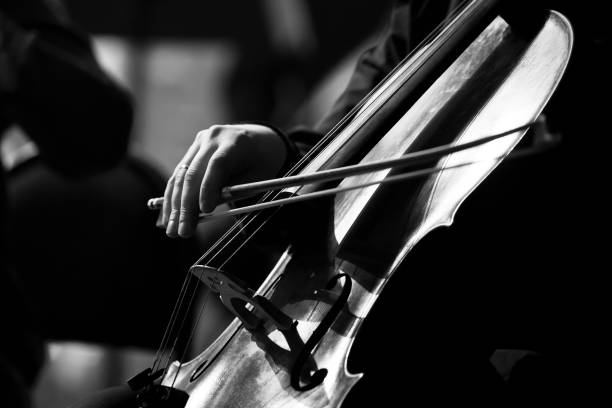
(410, 22)
(79, 118)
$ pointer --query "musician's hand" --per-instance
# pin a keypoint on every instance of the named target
(220, 156)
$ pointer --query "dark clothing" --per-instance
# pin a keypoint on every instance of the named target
(52, 87)
(498, 278)
(511, 272)
(61, 97)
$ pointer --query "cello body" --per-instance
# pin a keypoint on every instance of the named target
(289, 344)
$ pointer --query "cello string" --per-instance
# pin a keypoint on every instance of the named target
(338, 190)
(219, 251)
(239, 191)
(241, 224)
(455, 11)
(179, 304)
(393, 179)
(238, 327)
(349, 116)
(195, 326)
(388, 180)
(238, 225)
(382, 84)
(205, 298)
(177, 307)
(419, 173)
(453, 149)
(169, 327)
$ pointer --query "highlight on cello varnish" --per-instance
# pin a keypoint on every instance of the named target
(289, 342)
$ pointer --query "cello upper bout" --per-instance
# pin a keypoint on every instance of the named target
(506, 80)
(500, 82)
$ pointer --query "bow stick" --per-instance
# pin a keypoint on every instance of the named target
(233, 193)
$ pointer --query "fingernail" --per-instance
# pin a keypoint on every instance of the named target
(184, 234)
(170, 230)
(184, 230)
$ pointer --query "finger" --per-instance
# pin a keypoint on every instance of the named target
(190, 208)
(177, 191)
(214, 178)
(164, 212)
(175, 201)
(158, 221)
(167, 204)
(224, 162)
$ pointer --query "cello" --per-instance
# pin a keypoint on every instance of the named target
(474, 88)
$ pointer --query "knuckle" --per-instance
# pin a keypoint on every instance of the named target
(178, 180)
(174, 213)
(242, 138)
(203, 136)
(185, 212)
(215, 130)
(170, 181)
(191, 175)
(178, 170)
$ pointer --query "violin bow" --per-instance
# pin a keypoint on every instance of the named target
(233, 193)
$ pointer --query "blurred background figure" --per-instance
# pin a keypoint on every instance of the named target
(191, 64)
(102, 298)
(52, 88)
